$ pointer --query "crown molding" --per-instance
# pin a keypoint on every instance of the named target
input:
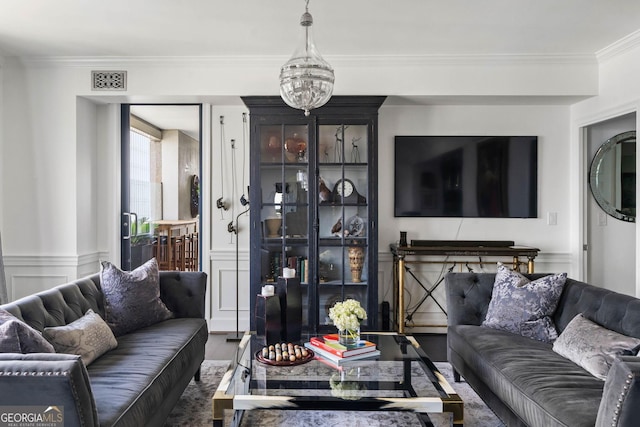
(619, 47)
(336, 61)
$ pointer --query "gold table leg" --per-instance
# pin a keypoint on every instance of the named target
(401, 295)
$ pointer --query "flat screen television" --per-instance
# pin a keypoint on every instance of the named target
(466, 176)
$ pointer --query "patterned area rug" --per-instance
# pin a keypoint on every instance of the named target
(194, 408)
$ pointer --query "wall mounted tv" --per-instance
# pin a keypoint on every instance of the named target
(466, 176)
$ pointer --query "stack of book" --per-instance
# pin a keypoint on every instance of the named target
(329, 348)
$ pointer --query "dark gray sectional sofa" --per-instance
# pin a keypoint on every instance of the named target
(523, 380)
(136, 384)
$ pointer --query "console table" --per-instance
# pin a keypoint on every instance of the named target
(465, 253)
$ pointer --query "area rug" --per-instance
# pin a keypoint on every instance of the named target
(194, 408)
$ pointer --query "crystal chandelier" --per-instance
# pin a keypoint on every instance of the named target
(306, 80)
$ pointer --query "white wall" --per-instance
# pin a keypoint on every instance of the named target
(87, 185)
(180, 160)
(2, 61)
(170, 174)
(188, 165)
(222, 253)
(549, 123)
(40, 180)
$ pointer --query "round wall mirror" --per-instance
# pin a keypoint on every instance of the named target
(612, 176)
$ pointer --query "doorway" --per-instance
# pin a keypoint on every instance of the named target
(161, 155)
(611, 255)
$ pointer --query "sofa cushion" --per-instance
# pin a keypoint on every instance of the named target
(151, 362)
(524, 307)
(89, 337)
(18, 337)
(132, 299)
(542, 387)
(593, 347)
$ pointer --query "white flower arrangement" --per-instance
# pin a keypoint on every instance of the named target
(347, 315)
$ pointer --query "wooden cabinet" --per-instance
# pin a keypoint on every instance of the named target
(314, 203)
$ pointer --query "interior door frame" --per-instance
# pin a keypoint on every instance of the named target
(125, 217)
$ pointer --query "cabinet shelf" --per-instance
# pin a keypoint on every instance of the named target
(334, 283)
(345, 166)
(290, 241)
(278, 165)
(338, 241)
(337, 205)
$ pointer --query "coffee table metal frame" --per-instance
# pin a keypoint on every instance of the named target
(235, 389)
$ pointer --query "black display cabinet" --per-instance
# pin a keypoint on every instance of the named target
(314, 203)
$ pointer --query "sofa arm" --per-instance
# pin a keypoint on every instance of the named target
(48, 379)
(620, 404)
(468, 297)
(183, 292)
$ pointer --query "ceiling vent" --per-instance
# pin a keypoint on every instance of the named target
(108, 80)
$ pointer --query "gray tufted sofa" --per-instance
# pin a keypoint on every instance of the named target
(136, 384)
(524, 381)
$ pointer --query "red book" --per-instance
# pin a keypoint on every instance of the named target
(333, 347)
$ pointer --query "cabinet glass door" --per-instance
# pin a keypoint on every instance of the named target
(343, 216)
(284, 217)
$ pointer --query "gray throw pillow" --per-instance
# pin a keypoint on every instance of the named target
(132, 299)
(89, 337)
(18, 337)
(592, 346)
(523, 307)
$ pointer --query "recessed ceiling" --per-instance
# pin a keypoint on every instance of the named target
(354, 27)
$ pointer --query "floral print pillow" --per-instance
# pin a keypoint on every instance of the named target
(524, 307)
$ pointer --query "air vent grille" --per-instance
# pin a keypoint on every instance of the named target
(108, 80)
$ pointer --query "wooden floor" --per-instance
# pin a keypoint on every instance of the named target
(220, 348)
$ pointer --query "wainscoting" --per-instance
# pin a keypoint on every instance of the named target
(26, 275)
(222, 295)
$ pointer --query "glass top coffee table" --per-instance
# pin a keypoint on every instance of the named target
(401, 378)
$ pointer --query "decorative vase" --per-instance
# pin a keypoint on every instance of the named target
(349, 337)
(273, 226)
(356, 261)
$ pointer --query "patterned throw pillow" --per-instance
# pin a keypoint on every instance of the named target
(18, 337)
(89, 337)
(523, 307)
(592, 346)
(132, 299)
